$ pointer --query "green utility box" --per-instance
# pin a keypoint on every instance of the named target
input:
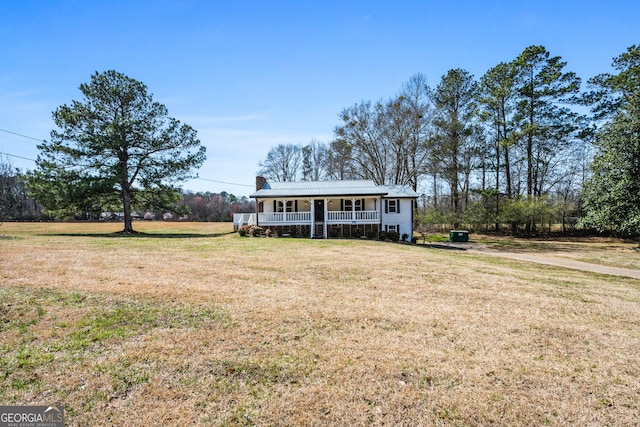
(458, 236)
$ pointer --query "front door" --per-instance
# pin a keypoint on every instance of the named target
(318, 206)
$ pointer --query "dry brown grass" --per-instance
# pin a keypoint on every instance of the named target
(217, 329)
(602, 251)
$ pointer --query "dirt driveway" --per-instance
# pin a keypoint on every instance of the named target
(545, 258)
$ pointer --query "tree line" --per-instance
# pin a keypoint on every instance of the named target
(512, 150)
(17, 204)
(15, 201)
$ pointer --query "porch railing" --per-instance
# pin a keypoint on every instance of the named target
(333, 217)
(284, 218)
(240, 219)
(350, 216)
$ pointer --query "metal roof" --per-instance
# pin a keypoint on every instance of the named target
(399, 191)
(330, 188)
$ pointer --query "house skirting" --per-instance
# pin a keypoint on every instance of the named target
(333, 230)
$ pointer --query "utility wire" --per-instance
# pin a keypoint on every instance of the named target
(19, 157)
(24, 136)
(42, 140)
(223, 182)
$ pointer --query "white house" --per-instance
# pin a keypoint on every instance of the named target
(322, 209)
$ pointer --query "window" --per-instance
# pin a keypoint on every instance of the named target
(390, 228)
(280, 206)
(347, 205)
(392, 206)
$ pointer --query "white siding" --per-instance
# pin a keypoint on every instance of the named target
(403, 219)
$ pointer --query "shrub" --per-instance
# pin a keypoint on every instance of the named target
(394, 236)
(382, 236)
(256, 231)
(268, 232)
(405, 236)
(252, 230)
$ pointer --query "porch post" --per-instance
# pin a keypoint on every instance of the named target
(326, 216)
(284, 210)
(313, 218)
(353, 210)
(380, 213)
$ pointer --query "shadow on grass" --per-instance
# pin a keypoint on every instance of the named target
(530, 246)
(137, 234)
(442, 246)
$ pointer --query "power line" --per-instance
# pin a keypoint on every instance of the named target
(23, 136)
(202, 179)
(19, 157)
(42, 140)
(224, 182)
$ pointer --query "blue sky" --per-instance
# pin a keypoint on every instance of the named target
(249, 75)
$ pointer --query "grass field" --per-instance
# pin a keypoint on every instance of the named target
(192, 324)
(603, 251)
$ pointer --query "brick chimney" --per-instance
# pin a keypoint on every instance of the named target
(260, 182)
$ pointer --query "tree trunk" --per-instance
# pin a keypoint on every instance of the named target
(128, 222)
(507, 172)
(435, 191)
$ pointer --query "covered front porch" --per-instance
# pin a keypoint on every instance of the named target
(323, 216)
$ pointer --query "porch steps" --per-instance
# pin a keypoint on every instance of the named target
(318, 231)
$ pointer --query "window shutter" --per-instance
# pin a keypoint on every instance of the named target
(386, 206)
(362, 205)
(398, 206)
(275, 206)
(296, 206)
(341, 204)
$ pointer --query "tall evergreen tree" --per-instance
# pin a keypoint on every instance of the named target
(612, 194)
(456, 134)
(116, 147)
(545, 126)
(497, 97)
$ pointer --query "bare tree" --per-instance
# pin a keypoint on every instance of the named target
(314, 161)
(361, 128)
(15, 202)
(282, 163)
(340, 164)
(9, 198)
(388, 141)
